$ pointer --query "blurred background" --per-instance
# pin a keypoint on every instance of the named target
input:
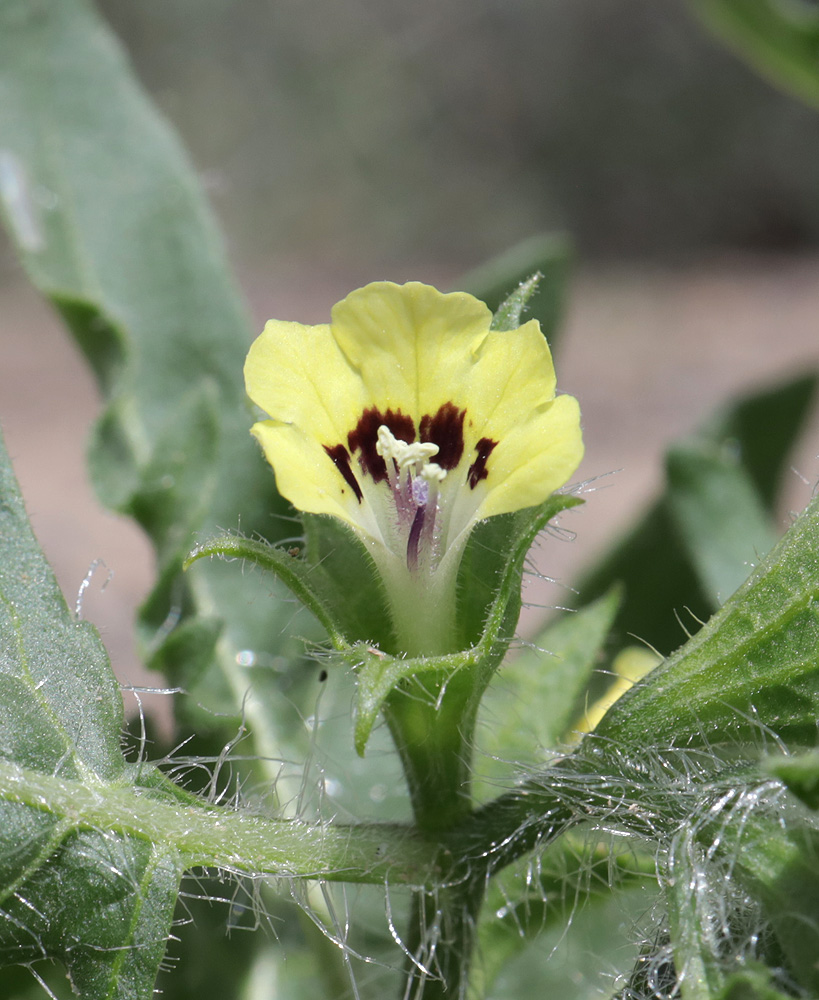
(443, 130)
(342, 142)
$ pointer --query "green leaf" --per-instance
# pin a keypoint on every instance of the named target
(800, 774)
(199, 834)
(696, 893)
(303, 579)
(111, 226)
(751, 984)
(508, 315)
(526, 901)
(779, 39)
(62, 709)
(761, 430)
(533, 700)
(100, 902)
(550, 257)
(663, 562)
(752, 667)
(719, 516)
(348, 580)
(330, 572)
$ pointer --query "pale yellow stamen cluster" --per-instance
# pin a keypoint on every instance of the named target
(416, 455)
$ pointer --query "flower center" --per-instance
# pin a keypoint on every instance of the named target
(413, 481)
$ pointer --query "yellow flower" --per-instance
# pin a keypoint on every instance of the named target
(410, 420)
(630, 665)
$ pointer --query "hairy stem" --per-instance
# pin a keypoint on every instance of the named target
(443, 932)
(432, 726)
(432, 723)
(214, 836)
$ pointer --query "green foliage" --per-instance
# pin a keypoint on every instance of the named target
(111, 226)
(532, 274)
(800, 774)
(85, 832)
(538, 697)
(663, 809)
(753, 664)
(778, 38)
(721, 481)
(61, 722)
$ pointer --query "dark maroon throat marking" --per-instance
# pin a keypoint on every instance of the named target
(364, 437)
(341, 459)
(477, 471)
(446, 429)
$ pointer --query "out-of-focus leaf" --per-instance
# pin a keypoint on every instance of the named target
(550, 256)
(800, 774)
(752, 983)
(762, 428)
(533, 700)
(719, 516)
(111, 226)
(667, 572)
(753, 667)
(530, 900)
(779, 38)
(651, 565)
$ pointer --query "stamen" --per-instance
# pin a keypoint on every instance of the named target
(414, 482)
(415, 454)
(433, 473)
(388, 446)
(385, 443)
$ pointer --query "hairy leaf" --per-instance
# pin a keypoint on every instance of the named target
(111, 226)
(752, 668)
(61, 724)
(497, 281)
(92, 848)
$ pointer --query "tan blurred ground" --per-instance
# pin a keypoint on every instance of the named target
(648, 353)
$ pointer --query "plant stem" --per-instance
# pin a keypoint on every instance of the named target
(432, 726)
(443, 931)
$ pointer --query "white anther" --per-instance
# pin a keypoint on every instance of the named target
(415, 454)
(419, 453)
(387, 443)
(433, 473)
